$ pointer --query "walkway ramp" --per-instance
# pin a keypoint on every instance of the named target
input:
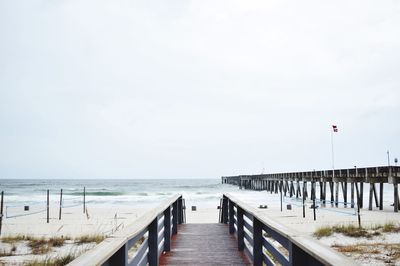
(203, 244)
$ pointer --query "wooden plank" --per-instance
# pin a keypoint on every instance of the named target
(203, 244)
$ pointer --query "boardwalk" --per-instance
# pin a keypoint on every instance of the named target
(203, 244)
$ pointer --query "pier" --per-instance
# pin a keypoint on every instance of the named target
(334, 183)
(242, 236)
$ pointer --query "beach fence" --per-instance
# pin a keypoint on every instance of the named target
(27, 208)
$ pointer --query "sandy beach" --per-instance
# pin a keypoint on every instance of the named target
(107, 219)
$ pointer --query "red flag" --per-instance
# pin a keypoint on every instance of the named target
(335, 129)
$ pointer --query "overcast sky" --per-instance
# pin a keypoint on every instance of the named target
(204, 88)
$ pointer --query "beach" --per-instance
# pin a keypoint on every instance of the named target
(108, 213)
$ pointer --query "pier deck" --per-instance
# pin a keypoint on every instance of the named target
(203, 244)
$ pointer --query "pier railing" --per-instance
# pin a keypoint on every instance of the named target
(265, 241)
(150, 234)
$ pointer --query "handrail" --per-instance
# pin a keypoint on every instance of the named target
(252, 227)
(154, 228)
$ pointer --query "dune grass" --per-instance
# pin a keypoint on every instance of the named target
(97, 238)
(355, 231)
(58, 261)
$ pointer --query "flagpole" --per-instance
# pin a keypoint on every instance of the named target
(333, 154)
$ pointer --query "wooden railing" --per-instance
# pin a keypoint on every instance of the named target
(151, 234)
(266, 241)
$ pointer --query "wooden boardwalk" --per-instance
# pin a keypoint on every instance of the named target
(203, 244)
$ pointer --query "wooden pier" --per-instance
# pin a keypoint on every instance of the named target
(337, 182)
(204, 244)
(243, 236)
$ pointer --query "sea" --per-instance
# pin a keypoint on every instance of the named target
(137, 193)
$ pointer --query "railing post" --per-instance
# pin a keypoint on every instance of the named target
(120, 257)
(297, 256)
(175, 217)
(153, 243)
(231, 217)
(224, 209)
(240, 225)
(167, 229)
(257, 242)
(180, 211)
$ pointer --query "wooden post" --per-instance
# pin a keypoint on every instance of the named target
(375, 195)
(1, 210)
(175, 217)
(371, 191)
(361, 194)
(331, 188)
(231, 217)
(304, 198)
(280, 186)
(48, 206)
(240, 225)
(84, 199)
(358, 211)
(313, 186)
(352, 194)
(380, 196)
(153, 243)
(257, 242)
(224, 209)
(120, 257)
(167, 229)
(337, 194)
(180, 218)
(59, 215)
(396, 197)
(321, 191)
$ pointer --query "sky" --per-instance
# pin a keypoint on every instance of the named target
(196, 89)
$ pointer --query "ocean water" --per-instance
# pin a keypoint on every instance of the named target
(113, 191)
(139, 193)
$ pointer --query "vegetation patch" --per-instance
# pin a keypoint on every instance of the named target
(39, 246)
(348, 249)
(16, 238)
(56, 241)
(324, 231)
(58, 261)
(355, 231)
(84, 239)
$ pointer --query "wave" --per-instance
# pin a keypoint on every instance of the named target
(97, 193)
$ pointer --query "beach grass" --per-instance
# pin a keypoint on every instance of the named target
(355, 231)
(58, 261)
(39, 246)
(97, 238)
(16, 238)
(323, 232)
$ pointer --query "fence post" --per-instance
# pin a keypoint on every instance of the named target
(167, 229)
(180, 210)
(48, 206)
(175, 217)
(1, 210)
(120, 257)
(231, 217)
(59, 215)
(224, 209)
(153, 243)
(84, 199)
(257, 243)
(240, 224)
